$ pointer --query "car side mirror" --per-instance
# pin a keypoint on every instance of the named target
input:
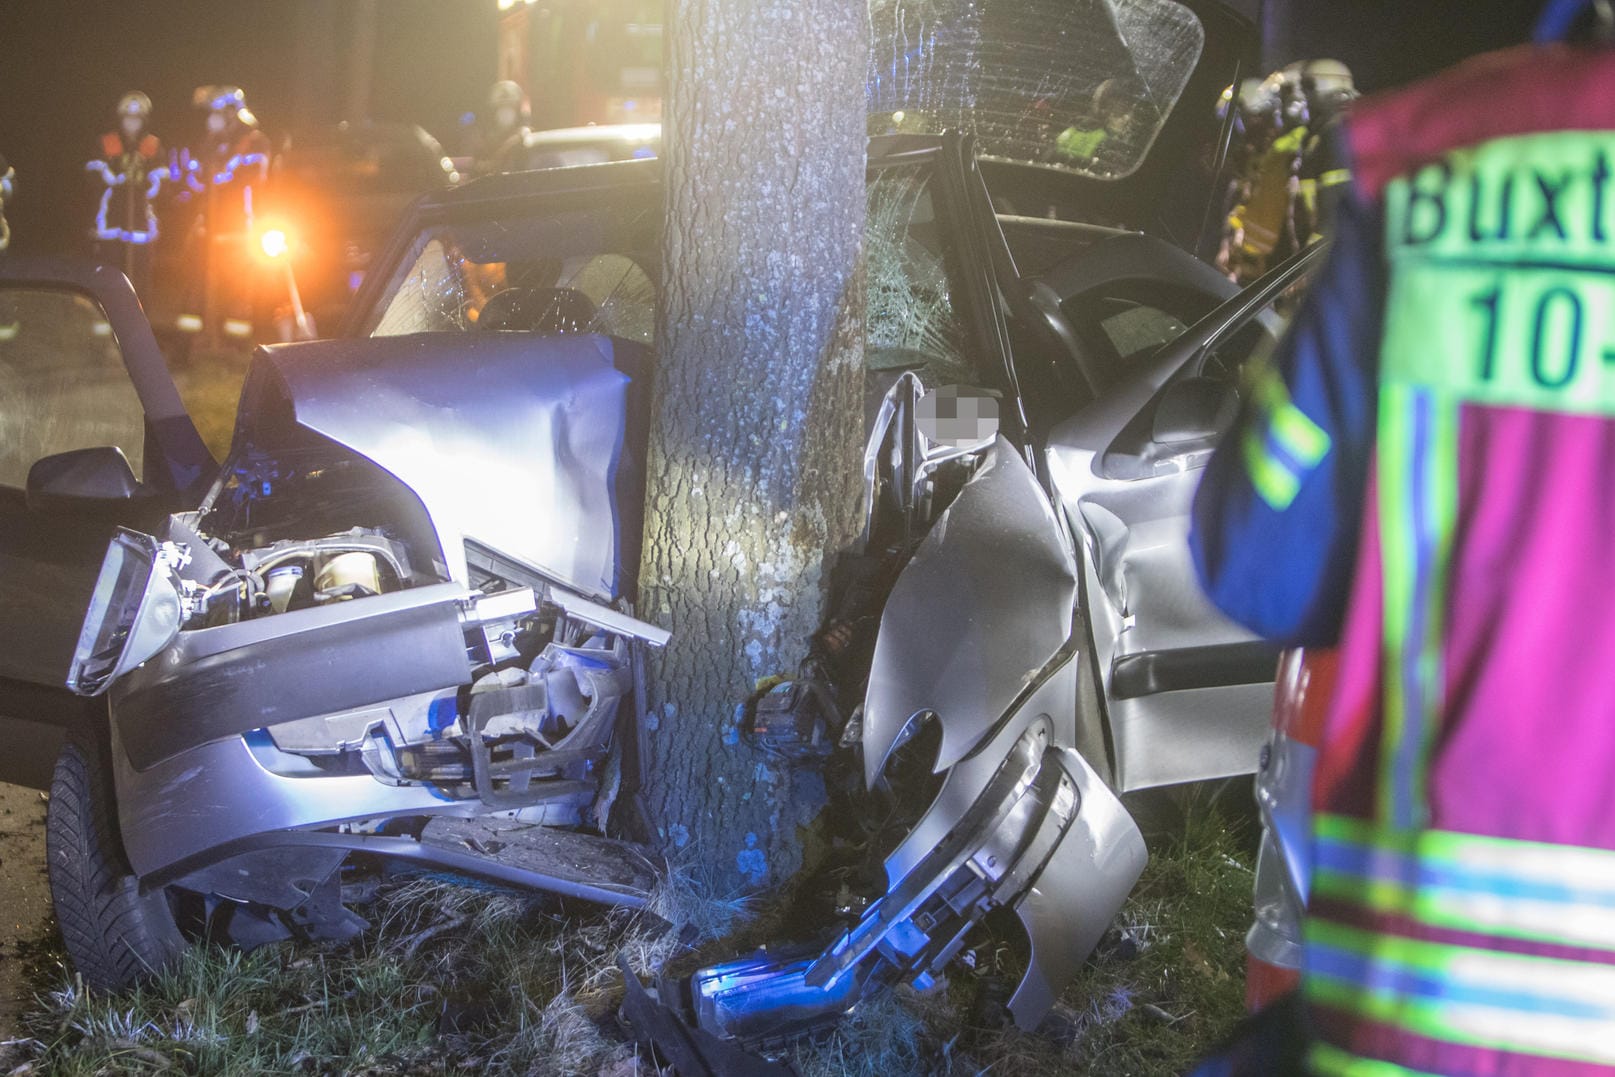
(98, 474)
(1194, 410)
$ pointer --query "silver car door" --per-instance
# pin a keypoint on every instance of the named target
(1187, 692)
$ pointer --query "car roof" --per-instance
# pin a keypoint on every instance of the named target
(884, 150)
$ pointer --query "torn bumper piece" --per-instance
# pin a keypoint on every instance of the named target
(1044, 837)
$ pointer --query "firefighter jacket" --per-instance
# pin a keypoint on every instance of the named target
(230, 175)
(1426, 474)
(129, 175)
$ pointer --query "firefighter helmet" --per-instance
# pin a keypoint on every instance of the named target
(134, 105)
(507, 104)
(1328, 85)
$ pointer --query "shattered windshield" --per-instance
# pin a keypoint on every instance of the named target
(587, 270)
(910, 320)
(593, 270)
(1084, 85)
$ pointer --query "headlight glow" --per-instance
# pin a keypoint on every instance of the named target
(273, 243)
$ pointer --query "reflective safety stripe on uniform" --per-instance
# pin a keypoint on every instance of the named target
(1418, 498)
(1325, 1060)
(1558, 895)
(1533, 1006)
(1286, 446)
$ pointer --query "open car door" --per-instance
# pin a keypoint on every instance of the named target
(92, 435)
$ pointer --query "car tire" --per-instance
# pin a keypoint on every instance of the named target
(115, 936)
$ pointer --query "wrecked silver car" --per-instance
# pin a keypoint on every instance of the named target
(396, 625)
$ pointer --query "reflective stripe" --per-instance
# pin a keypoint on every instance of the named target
(1418, 493)
(1428, 901)
(1335, 177)
(1284, 446)
(1562, 895)
(1299, 436)
(1589, 867)
(1462, 995)
(1327, 1060)
(1274, 483)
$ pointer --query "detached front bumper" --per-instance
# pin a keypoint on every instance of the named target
(1022, 823)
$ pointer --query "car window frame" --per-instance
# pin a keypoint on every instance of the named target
(1181, 358)
(175, 458)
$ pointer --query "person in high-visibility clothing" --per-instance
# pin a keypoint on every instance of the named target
(1329, 90)
(128, 170)
(8, 176)
(1425, 475)
(228, 172)
(1264, 222)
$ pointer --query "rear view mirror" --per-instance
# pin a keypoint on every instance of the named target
(99, 474)
(1194, 410)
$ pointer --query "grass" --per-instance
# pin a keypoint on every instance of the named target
(453, 979)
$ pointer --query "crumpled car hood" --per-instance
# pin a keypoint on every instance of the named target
(516, 442)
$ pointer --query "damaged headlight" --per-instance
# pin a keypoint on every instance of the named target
(134, 612)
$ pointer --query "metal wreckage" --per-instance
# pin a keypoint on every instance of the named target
(251, 760)
(393, 627)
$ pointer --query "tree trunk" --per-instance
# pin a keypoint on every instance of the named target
(757, 440)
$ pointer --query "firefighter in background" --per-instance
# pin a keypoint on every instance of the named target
(130, 169)
(226, 175)
(1263, 227)
(1258, 120)
(8, 177)
(499, 140)
(1109, 130)
(1422, 476)
(1329, 91)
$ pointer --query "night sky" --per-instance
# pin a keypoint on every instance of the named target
(64, 63)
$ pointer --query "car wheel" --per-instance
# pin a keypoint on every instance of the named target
(115, 936)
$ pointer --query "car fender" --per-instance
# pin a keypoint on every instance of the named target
(981, 609)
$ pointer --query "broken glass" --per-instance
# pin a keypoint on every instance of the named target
(579, 271)
(910, 320)
(1084, 85)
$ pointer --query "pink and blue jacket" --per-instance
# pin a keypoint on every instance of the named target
(1425, 477)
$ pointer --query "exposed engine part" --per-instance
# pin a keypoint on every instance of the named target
(502, 615)
(296, 574)
(546, 737)
(280, 583)
(347, 575)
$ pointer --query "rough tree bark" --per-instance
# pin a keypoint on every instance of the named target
(754, 463)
